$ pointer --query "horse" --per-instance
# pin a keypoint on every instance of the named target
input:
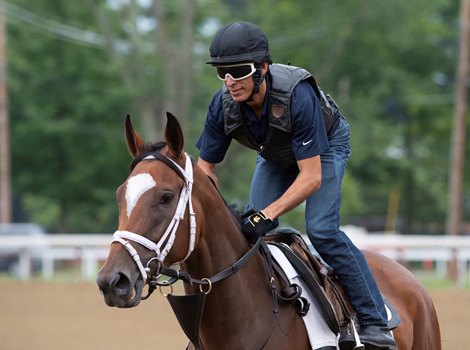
(171, 213)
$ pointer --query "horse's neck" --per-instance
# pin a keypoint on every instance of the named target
(220, 243)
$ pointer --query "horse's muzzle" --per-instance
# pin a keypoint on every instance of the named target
(118, 289)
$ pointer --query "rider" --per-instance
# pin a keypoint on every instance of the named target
(301, 156)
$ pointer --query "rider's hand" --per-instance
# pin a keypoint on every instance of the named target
(255, 224)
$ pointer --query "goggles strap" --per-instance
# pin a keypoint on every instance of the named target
(257, 79)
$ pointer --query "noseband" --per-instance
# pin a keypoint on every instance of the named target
(165, 243)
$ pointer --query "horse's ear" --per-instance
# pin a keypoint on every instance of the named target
(174, 136)
(135, 143)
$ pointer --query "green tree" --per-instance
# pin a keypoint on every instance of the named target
(66, 119)
(76, 69)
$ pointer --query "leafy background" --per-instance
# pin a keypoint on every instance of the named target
(76, 68)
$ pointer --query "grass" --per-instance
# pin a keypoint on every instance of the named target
(431, 280)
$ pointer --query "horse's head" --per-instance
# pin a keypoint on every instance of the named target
(154, 225)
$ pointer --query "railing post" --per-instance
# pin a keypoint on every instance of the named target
(24, 264)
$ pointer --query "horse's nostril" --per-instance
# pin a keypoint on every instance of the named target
(121, 283)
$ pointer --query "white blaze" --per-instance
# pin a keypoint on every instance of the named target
(136, 186)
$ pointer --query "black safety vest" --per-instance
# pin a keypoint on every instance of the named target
(278, 144)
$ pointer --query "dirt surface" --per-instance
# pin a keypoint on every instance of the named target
(73, 316)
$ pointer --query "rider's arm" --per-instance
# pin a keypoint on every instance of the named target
(307, 182)
(213, 143)
(309, 141)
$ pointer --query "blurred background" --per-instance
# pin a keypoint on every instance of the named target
(75, 69)
(70, 71)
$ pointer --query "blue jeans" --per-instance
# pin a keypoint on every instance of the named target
(322, 217)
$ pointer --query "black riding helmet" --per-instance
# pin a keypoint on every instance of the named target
(241, 42)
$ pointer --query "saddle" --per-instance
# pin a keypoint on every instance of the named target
(318, 276)
(322, 281)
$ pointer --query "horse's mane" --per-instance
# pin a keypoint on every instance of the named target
(150, 148)
(233, 209)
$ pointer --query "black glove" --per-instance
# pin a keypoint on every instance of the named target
(255, 224)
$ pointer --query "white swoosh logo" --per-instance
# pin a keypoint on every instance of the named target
(306, 143)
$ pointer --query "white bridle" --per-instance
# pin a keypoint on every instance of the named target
(164, 245)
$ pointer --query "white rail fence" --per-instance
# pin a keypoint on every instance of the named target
(90, 250)
(431, 251)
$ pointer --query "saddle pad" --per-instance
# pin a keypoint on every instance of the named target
(393, 317)
(319, 333)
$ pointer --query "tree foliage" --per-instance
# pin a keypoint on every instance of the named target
(77, 68)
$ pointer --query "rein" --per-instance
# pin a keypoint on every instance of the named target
(176, 275)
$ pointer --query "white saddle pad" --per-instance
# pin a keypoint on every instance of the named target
(319, 334)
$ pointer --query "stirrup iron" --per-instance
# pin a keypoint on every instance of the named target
(359, 345)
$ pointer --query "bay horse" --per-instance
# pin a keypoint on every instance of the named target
(171, 213)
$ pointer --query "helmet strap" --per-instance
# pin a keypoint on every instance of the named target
(257, 79)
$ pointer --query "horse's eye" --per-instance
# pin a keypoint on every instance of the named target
(166, 198)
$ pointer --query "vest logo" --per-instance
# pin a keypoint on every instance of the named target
(277, 110)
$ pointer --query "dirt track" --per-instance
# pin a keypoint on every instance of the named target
(73, 316)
